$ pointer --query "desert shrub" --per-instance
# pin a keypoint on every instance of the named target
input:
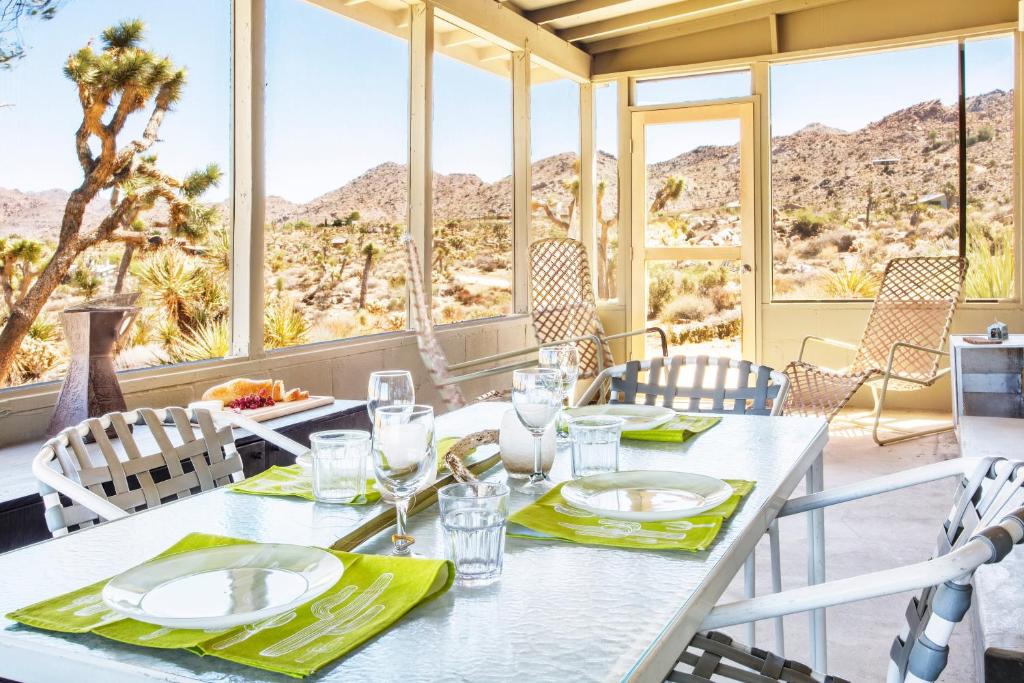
(851, 283)
(985, 134)
(86, 281)
(34, 361)
(284, 325)
(721, 298)
(659, 291)
(687, 308)
(806, 224)
(714, 277)
(210, 340)
(811, 248)
(338, 325)
(169, 279)
(990, 264)
(44, 329)
(844, 243)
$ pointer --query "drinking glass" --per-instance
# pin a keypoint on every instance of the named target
(389, 388)
(595, 444)
(537, 398)
(473, 516)
(566, 361)
(403, 458)
(339, 464)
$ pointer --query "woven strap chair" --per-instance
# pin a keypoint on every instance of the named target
(975, 532)
(563, 306)
(901, 346)
(138, 460)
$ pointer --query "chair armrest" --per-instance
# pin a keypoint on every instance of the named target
(884, 484)
(73, 490)
(647, 330)
(826, 342)
(596, 385)
(936, 571)
(915, 347)
(265, 433)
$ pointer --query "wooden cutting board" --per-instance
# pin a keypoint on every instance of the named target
(281, 409)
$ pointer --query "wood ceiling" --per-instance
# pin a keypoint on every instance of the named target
(598, 26)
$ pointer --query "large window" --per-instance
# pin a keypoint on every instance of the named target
(554, 156)
(866, 168)
(606, 161)
(336, 176)
(697, 88)
(472, 154)
(76, 224)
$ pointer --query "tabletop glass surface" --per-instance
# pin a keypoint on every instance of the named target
(559, 611)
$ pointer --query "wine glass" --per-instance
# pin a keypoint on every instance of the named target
(565, 359)
(389, 388)
(537, 398)
(403, 459)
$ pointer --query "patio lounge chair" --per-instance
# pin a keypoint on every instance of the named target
(974, 533)
(901, 346)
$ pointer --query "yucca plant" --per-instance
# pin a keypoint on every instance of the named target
(851, 283)
(169, 279)
(44, 329)
(212, 340)
(989, 266)
(284, 325)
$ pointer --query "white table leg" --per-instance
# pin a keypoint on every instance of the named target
(816, 565)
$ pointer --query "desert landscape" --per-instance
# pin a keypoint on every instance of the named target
(844, 203)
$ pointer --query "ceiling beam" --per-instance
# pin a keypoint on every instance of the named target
(689, 10)
(711, 23)
(567, 10)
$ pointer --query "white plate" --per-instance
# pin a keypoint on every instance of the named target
(638, 418)
(224, 587)
(647, 495)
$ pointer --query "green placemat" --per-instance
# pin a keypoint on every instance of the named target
(676, 430)
(374, 592)
(552, 518)
(292, 481)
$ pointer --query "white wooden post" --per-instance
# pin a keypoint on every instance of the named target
(421, 60)
(588, 188)
(521, 181)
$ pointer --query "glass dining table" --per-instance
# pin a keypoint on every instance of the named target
(560, 611)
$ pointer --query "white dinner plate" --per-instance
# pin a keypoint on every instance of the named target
(638, 418)
(646, 495)
(223, 587)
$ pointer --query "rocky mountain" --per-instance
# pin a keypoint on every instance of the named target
(909, 154)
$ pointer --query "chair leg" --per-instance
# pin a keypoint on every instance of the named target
(773, 542)
(879, 396)
(750, 590)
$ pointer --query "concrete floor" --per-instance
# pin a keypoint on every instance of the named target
(865, 536)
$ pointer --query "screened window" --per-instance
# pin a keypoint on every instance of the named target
(157, 227)
(554, 155)
(699, 88)
(472, 156)
(336, 176)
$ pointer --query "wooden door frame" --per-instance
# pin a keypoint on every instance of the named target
(743, 110)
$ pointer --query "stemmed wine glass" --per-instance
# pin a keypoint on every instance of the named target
(566, 361)
(537, 398)
(389, 388)
(403, 459)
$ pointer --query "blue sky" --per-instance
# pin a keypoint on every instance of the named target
(337, 102)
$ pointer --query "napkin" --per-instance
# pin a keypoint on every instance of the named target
(374, 592)
(676, 430)
(553, 518)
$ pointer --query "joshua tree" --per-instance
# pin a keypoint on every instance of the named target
(370, 251)
(670, 190)
(565, 220)
(19, 267)
(605, 265)
(113, 84)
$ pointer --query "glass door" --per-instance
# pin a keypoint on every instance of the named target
(693, 226)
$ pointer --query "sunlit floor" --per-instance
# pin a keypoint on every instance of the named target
(864, 536)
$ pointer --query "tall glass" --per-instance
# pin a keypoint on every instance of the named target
(473, 517)
(564, 359)
(389, 388)
(403, 459)
(537, 399)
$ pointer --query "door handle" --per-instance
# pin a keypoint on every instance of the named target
(747, 268)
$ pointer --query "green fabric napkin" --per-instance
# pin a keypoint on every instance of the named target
(677, 430)
(552, 518)
(292, 481)
(374, 593)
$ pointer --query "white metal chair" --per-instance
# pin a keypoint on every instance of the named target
(970, 536)
(183, 452)
(752, 390)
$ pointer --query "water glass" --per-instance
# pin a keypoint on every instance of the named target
(339, 464)
(595, 444)
(403, 459)
(389, 388)
(473, 516)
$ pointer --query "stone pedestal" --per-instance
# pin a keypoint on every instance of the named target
(90, 388)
